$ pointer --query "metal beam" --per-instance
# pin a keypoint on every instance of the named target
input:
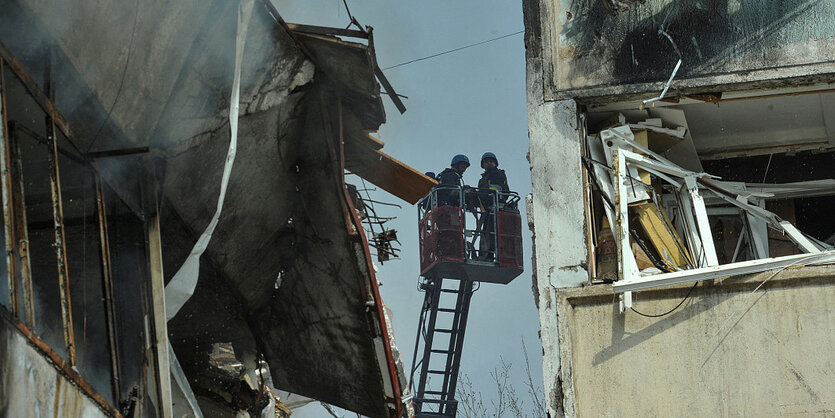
(324, 30)
(382, 77)
(735, 269)
(107, 281)
(60, 244)
(708, 247)
(8, 217)
(117, 152)
(627, 267)
(804, 243)
(40, 97)
(160, 337)
(22, 230)
(758, 230)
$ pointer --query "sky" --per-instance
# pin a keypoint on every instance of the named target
(467, 102)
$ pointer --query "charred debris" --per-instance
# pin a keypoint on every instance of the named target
(180, 237)
(662, 214)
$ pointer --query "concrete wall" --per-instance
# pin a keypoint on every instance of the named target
(32, 387)
(728, 351)
(594, 51)
(556, 213)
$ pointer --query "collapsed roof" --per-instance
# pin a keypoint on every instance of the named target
(287, 274)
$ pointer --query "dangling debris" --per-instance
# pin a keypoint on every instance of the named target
(651, 200)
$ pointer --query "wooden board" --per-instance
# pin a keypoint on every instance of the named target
(668, 245)
(385, 171)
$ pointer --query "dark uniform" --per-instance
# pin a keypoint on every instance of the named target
(449, 197)
(492, 179)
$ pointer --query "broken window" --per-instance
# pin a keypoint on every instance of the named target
(682, 190)
(78, 272)
(31, 151)
(84, 267)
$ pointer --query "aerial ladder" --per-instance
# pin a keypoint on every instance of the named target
(467, 236)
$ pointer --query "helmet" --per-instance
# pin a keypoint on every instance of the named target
(489, 155)
(460, 158)
(429, 174)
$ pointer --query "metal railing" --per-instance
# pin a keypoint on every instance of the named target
(480, 208)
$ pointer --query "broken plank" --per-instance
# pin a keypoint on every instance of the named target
(388, 173)
(661, 234)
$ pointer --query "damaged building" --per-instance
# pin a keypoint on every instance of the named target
(683, 168)
(179, 236)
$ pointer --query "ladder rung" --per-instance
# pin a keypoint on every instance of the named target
(448, 331)
(449, 290)
(430, 400)
(438, 371)
(433, 392)
(423, 414)
(447, 310)
(440, 351)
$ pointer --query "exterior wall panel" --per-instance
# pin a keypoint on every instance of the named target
(32, 387)
(729, 350)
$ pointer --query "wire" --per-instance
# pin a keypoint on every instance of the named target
(767, 166)
(671, 310)
(748, 296)
(661, 31)
(121, 82)
(454, 50)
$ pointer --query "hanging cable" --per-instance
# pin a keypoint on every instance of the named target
(671, 310)
(121, 82)
(454, 50)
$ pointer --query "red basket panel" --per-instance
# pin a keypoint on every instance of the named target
(441, 236)
(509, 227)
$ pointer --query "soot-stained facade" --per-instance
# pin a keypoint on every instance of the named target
(116, 137)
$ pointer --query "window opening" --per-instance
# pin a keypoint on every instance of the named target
(34, 152)
(6, 281)
(84, 268)
(129, 264)
(67, 251)
(690, 191)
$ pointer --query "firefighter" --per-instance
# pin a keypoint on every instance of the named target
(452, 176)
(424, 204)
(494, 180)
